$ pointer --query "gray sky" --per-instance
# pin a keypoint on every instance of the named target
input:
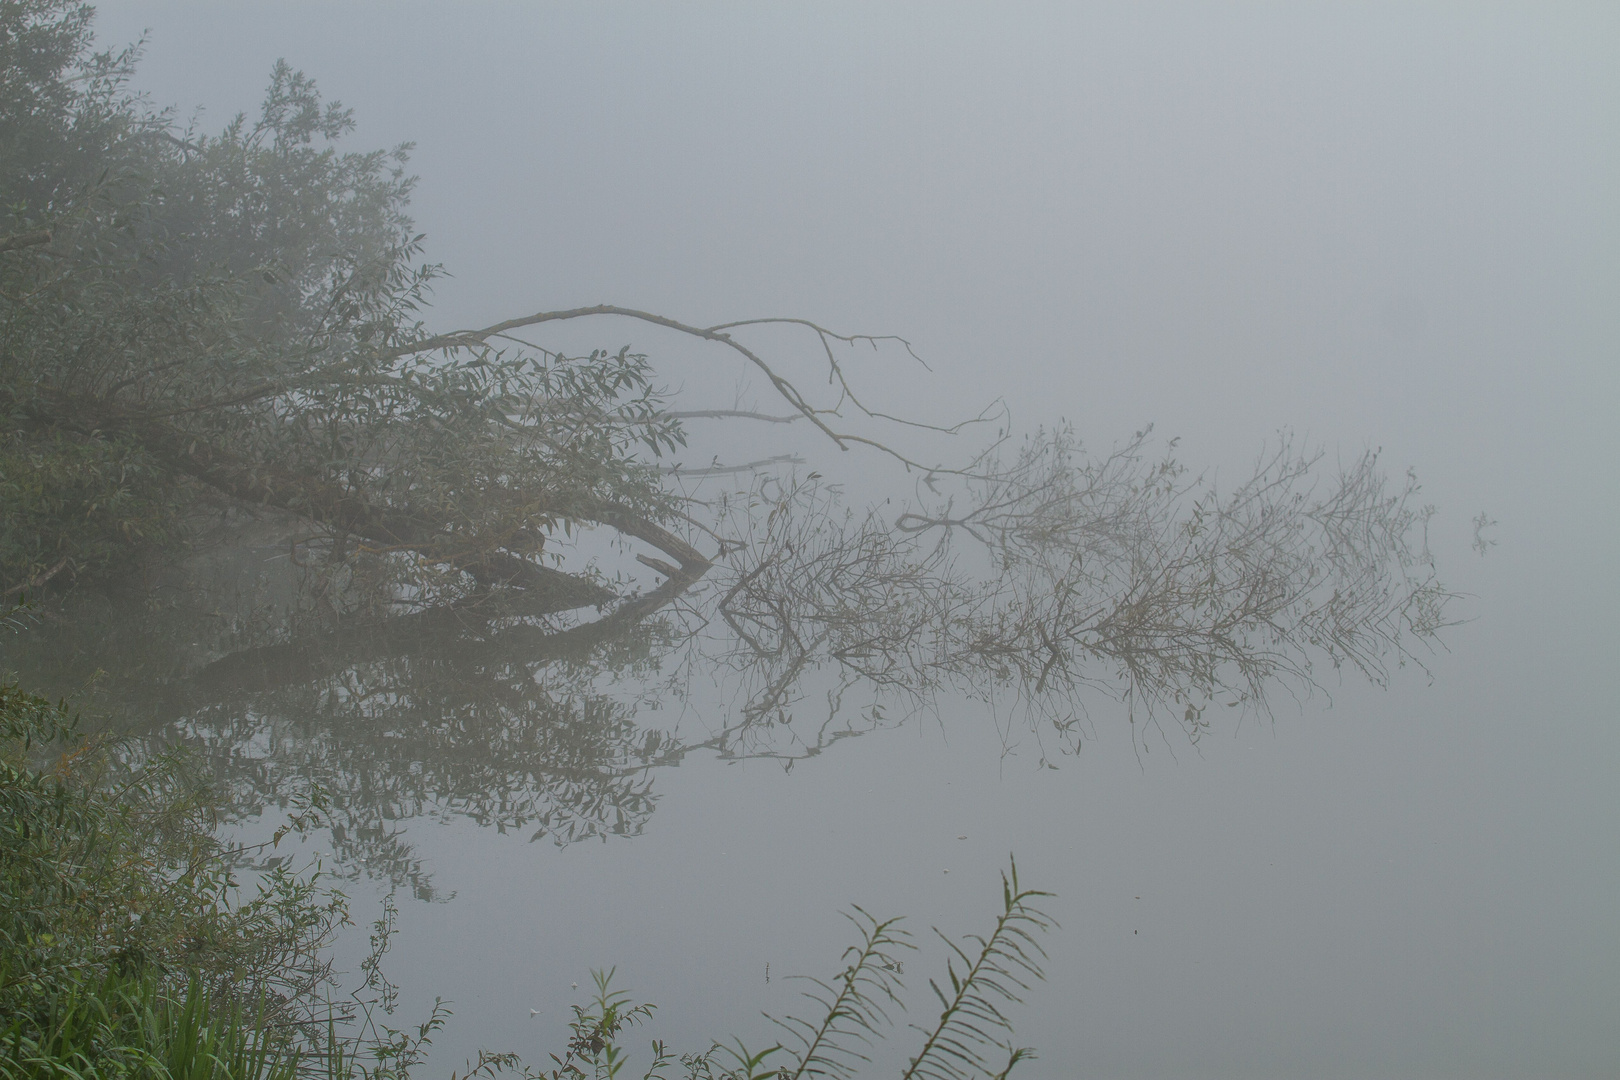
(1391, 225)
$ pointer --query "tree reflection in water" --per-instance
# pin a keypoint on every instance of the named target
(1057, 579)
(445, 713)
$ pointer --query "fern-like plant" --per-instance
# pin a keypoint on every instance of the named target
(971, 1023)
(973, 1032)
(854, 1005)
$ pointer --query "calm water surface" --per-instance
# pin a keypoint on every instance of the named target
(1411, 882)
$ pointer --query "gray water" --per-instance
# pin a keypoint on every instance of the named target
(1379, 226)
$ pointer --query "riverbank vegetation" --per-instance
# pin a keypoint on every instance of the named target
(128, 948)
(124, 942)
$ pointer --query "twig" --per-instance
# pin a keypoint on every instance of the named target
(37, 580)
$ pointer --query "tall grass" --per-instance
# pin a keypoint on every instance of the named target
(134, 1026)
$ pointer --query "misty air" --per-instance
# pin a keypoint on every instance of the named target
(761, 542)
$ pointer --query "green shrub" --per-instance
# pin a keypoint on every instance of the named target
(113, 883)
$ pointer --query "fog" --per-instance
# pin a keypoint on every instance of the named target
(1380, 226)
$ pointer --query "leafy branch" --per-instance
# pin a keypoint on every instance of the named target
(854, 1005)
(972, 1021)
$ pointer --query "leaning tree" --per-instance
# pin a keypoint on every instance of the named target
(236, 325)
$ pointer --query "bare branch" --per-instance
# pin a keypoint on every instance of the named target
(476, 339)
(718, 414)
(727, 470)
